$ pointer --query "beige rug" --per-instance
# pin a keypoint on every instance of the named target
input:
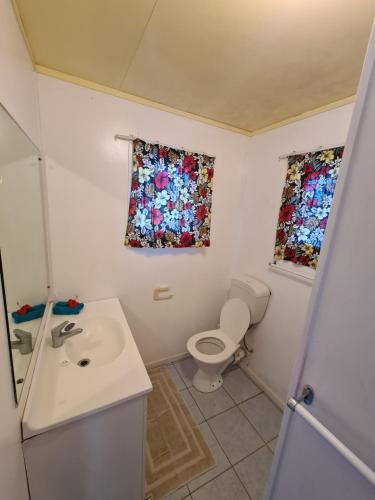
(175, 449)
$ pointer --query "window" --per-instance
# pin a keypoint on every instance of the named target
(305, 205)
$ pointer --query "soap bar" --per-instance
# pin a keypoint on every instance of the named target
(63, 308)
(29, 313)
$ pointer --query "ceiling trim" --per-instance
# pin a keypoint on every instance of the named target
(43, 70)
(140, 100)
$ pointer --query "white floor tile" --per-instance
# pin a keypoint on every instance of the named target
(192, 406)
(186, 369)
(227, 486)
(264, 415)
(221, 461)
(254, 471)
(239, 386)
(212, 403)
(175, 377)
(236, 436)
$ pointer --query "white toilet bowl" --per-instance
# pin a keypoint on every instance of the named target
(213, 350)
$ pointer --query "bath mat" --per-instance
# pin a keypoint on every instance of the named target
(175, 449)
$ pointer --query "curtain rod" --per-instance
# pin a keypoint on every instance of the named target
(319, 148)
(130, 138)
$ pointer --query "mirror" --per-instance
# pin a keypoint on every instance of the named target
(22, 244)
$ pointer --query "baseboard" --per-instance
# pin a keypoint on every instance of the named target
(262, 385)
(165, 361)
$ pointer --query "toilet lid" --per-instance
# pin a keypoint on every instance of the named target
(235, 319)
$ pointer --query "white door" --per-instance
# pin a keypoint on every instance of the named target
(338, 355)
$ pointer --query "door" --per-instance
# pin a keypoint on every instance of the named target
(338, 354)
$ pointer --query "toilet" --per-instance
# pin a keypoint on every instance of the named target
(214, 350)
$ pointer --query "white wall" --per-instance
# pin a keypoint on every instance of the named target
(18, 87)
(87, 186)
(87, 174)
(276, 339)
(18, 93)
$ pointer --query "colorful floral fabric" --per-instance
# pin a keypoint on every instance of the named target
(305, 205)
(170, 199)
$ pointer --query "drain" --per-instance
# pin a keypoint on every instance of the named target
(83, 362)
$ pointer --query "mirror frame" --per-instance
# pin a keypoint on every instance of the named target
(8, 330)
(44, 218)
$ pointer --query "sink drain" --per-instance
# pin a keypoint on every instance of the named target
(83, 362)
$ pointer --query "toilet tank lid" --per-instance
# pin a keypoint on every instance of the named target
(258, 288)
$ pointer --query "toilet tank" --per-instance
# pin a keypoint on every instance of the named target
(254, 293)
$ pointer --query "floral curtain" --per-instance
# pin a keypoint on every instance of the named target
(170, 198)
(305, 205)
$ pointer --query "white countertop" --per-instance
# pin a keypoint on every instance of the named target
(61, 391)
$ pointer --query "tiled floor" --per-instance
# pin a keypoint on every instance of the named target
(240, 425)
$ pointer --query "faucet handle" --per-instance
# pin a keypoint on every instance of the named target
(24, 342)
(62, 332)
(58, 329)
(22, 335)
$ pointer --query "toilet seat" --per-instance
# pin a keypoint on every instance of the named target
(230, 347)
(234, 321)
(213, 350)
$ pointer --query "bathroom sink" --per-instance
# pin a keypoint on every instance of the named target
(101, 342)
(93, 370)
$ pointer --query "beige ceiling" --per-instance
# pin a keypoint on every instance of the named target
(245, 63)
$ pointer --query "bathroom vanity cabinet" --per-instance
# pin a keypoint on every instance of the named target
(99, 457)
(84, 423)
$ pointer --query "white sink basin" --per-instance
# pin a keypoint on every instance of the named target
(101, 342)
(63, 391)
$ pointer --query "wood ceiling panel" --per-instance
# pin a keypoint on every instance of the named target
(92, 39)
(247, 63)
(251, 63)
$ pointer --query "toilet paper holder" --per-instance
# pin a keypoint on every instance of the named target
(159, 293)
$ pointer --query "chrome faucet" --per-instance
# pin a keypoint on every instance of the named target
(24, 343)
(62, 332)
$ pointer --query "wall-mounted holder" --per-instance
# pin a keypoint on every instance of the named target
(160, 293)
